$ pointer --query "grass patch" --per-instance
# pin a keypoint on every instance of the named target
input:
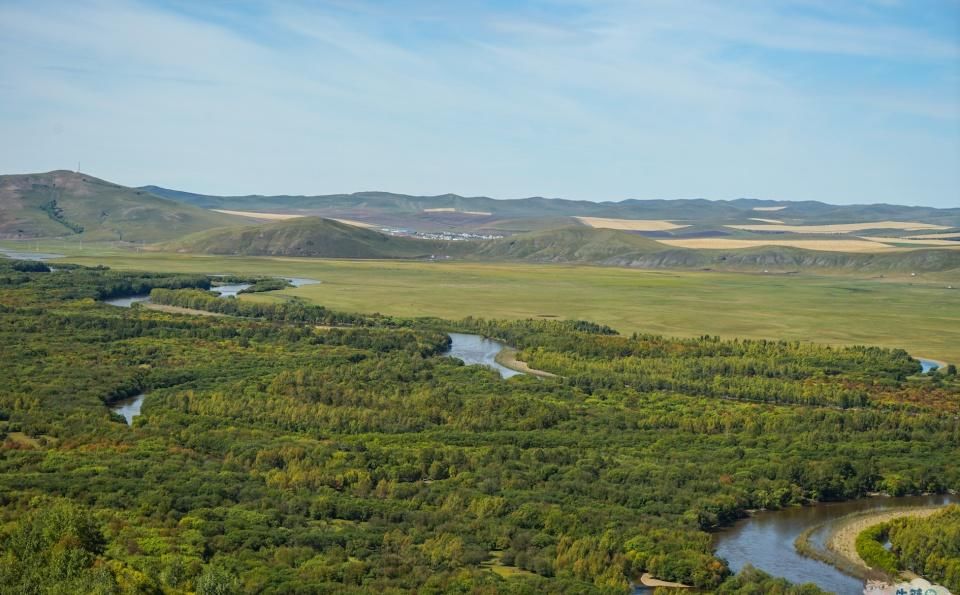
(21, 440)
(870, 548)
(495, 564)
(921, 317)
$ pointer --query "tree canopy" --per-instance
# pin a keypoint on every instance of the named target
(288, 448)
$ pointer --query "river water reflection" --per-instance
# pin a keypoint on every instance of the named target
(765, 540)
(18, 255)
(230, 290)
(474, 349)
(129, 408)
(126, 302)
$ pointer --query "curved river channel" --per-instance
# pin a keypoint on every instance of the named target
(474, 349)
(230, 290)
(765, 540)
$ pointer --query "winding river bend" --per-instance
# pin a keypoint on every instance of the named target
(765, 540)
(474, 349)
(229, 290)
(223, 290)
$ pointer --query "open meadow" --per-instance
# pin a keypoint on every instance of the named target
(919, 315)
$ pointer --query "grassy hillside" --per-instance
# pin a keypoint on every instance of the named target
(568, 244)
(308, 236)
(617, 248)
(63, 203)
(781, 259)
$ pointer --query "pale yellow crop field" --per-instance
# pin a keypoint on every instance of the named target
(287, 216)
(939, 243)
(842, 227)
(769, 208)
(826, 245)
(262, 216)
(355, 223)
(934, 236)
(630, 224)
(452, 210)
(774, 221)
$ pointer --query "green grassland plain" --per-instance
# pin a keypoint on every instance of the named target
(918, 315)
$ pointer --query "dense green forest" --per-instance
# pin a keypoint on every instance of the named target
(288, 448)
(929, 546)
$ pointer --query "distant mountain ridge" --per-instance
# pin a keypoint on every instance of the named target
(697, 209)
(63, 204)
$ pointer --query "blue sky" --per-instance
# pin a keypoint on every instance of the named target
(839, 101)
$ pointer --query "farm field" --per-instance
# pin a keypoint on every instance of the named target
(258, 215)
(842, 227)
(914, 242)
(629, 224)
(921, 316)
(852, 245)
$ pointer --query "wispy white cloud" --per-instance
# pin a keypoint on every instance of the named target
(601, 99)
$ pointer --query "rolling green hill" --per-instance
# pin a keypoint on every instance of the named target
(786, 259)
(308, 236)
(617, 248)
(63, 203)
(568, 244)
(324, 238)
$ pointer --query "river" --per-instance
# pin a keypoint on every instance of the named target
(230, 290)
(474, 349)
(15, 255)
(128, 408)
(234, 289)
(126, 302)
(300, 281)
(765, 540)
